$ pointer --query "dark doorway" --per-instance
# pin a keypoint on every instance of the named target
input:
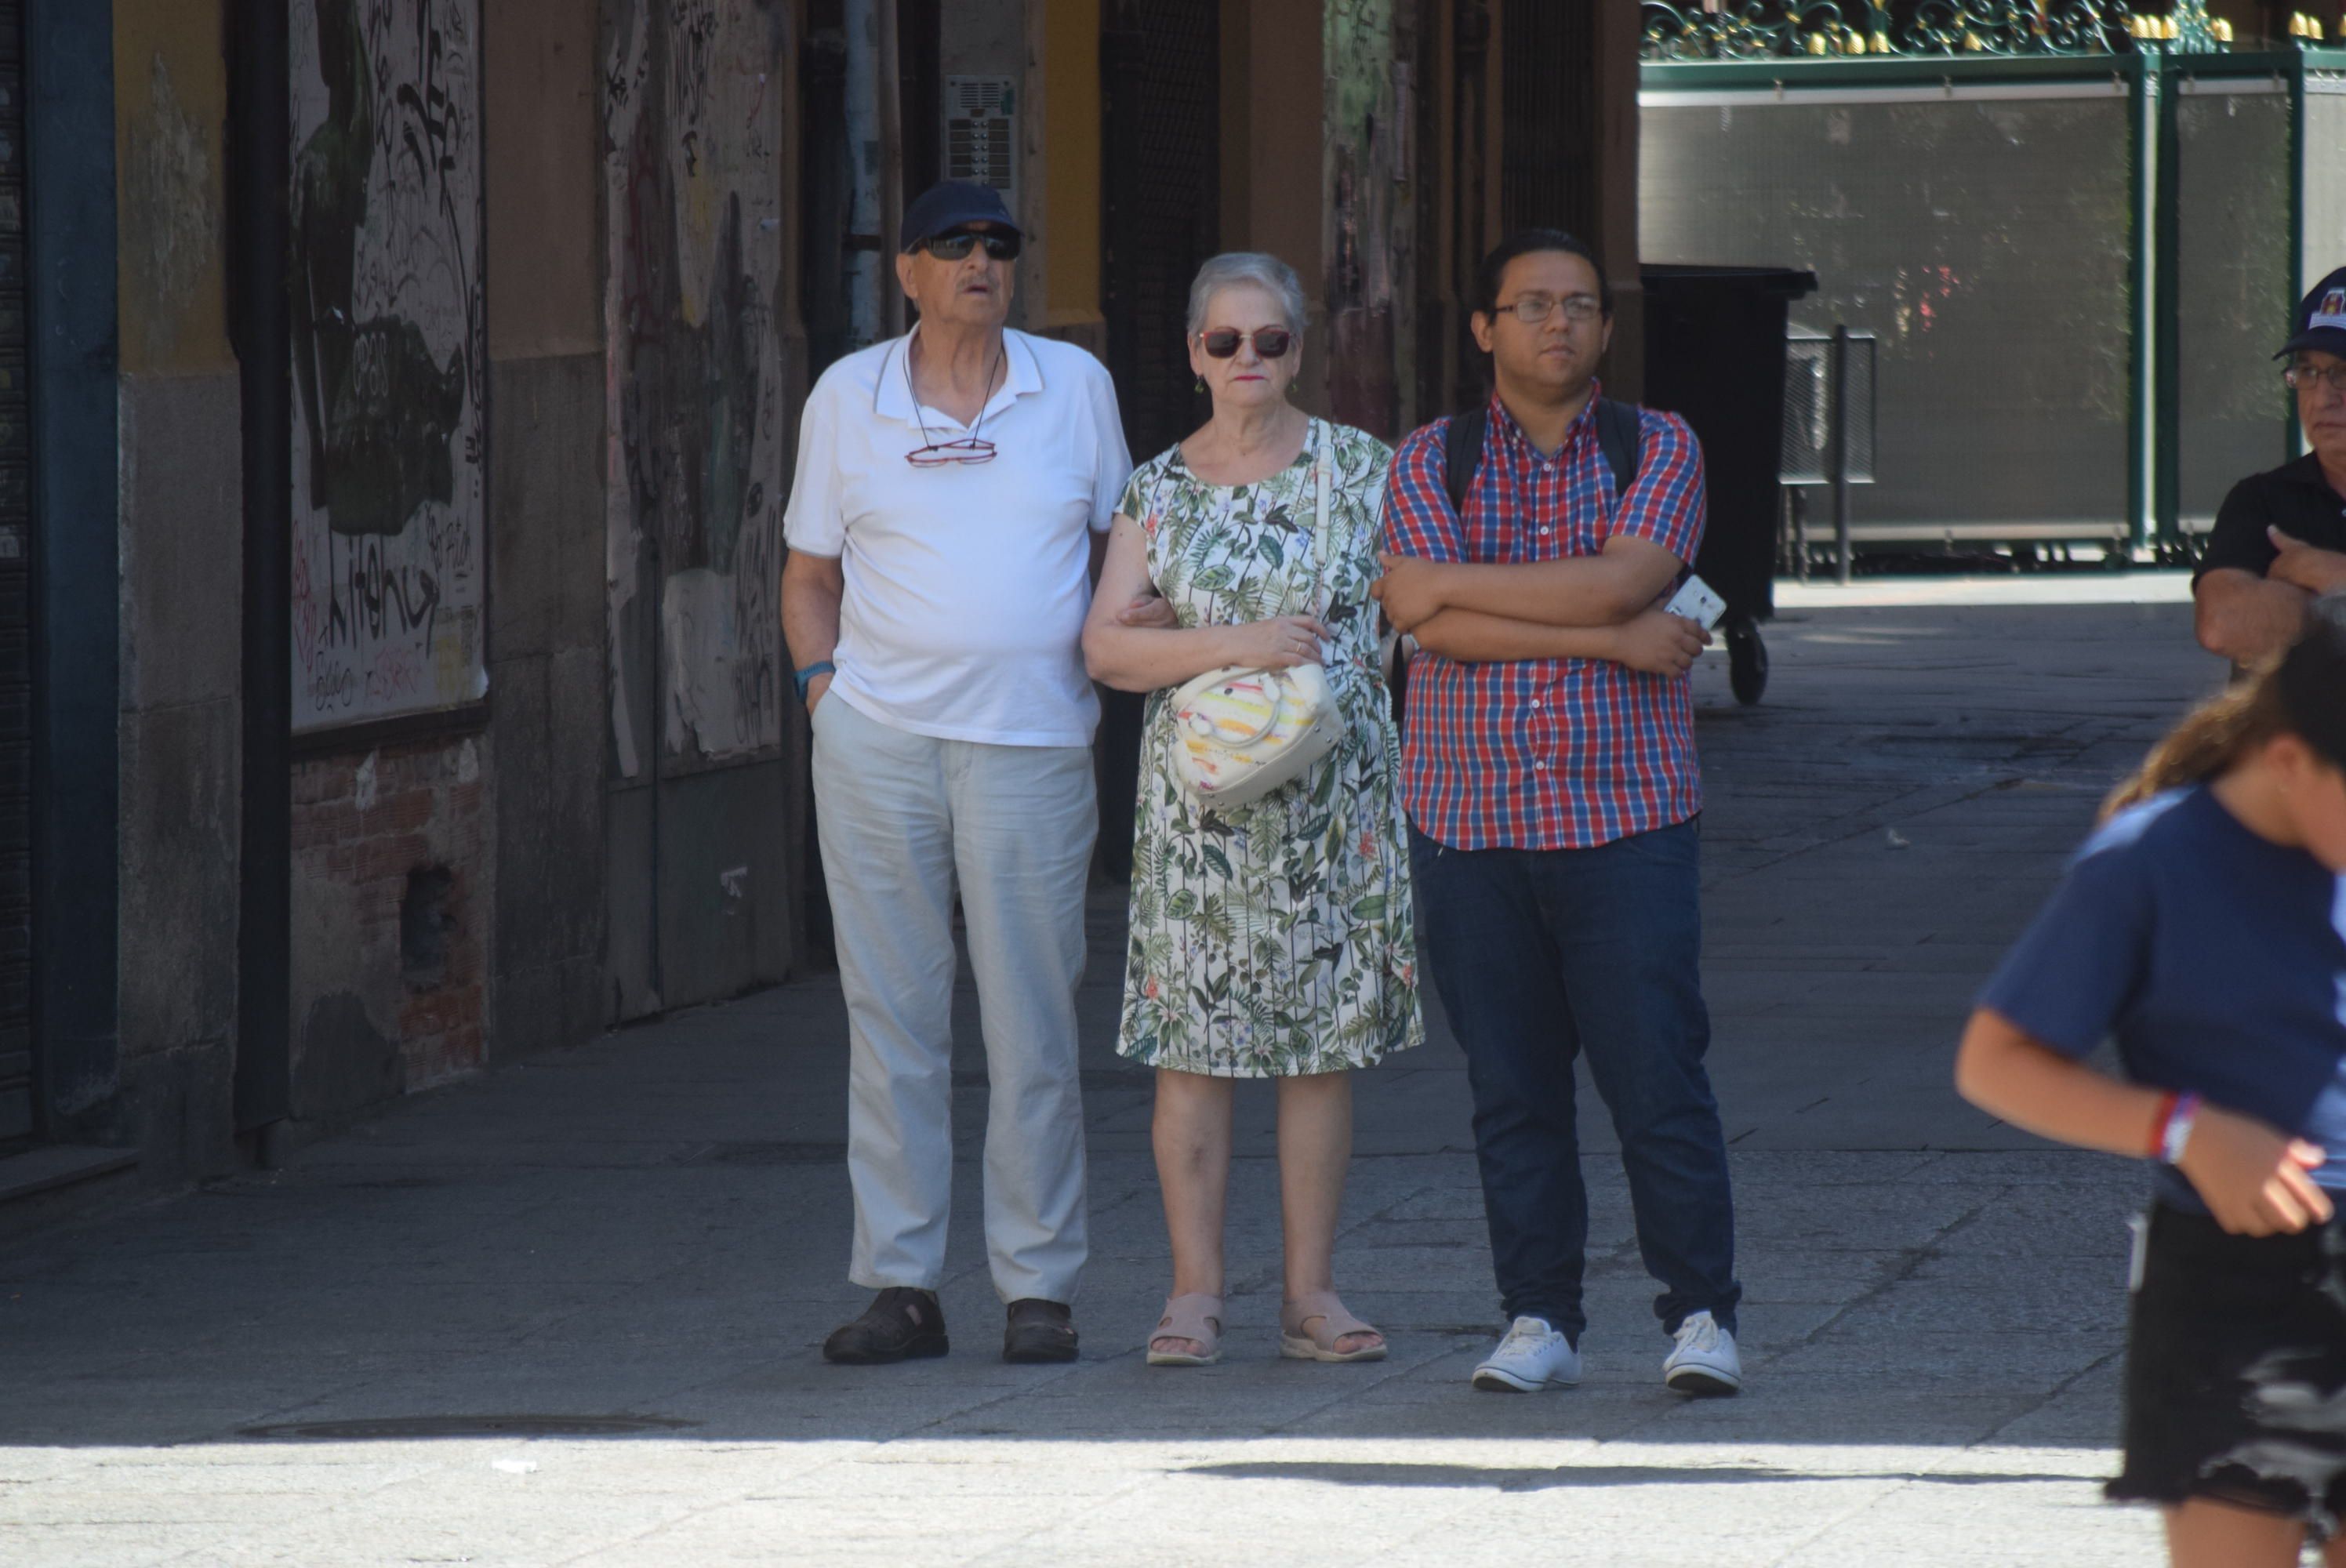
(921, 92)
(1161, 63)
(17, 1036)
(1161, 70)
(1548, 144)
(1452, 176)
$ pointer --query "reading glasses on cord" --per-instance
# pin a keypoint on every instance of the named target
(969, 449)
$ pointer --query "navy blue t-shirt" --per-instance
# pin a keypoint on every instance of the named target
(2216, 959)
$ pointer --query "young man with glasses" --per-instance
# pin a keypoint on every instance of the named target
(951, 487)
(1550, 778)
(2279, 539)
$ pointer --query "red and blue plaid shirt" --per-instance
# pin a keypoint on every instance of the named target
(1545, 753)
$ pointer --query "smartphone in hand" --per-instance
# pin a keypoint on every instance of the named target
(1696, 601)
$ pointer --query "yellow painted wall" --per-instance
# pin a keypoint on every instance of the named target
(1071, 177)
(170, 111)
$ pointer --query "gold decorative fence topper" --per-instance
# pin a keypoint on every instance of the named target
(1761, 29)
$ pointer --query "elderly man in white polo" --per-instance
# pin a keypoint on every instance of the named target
(951, 487)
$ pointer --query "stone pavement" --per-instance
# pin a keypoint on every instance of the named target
(653, 1227)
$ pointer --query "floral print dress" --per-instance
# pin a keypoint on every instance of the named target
(1275, 939)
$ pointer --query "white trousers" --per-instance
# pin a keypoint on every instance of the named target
(903, 818)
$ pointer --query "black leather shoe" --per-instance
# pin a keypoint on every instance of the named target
(902, 1324)
(1039, 1330)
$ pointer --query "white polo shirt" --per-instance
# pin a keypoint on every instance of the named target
(967, 583)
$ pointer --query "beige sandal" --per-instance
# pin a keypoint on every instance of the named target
(1299, 1340)
(1195, 1317)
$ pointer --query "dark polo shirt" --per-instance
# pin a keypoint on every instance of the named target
(2294, 498)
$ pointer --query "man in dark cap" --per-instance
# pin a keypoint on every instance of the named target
(2280, 539)
(950, 484)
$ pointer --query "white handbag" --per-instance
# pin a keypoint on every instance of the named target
(1245, 732)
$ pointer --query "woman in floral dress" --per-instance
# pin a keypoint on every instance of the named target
(1269, 941)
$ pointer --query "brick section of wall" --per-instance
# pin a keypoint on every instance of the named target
(393, 900)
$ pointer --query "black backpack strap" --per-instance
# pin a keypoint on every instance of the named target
(1621, 434)
(1461, 453)
(1619, 431)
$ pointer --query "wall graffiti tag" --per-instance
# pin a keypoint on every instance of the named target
(693, 109)
(389, 353)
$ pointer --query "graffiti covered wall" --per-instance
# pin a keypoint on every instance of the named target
(694, 101)
(389, 353)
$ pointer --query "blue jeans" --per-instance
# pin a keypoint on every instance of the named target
(1538, 956)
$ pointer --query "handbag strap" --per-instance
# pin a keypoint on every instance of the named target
(1323, 469)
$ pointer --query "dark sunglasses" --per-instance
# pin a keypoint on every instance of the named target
(1270, 342)
(955, 245)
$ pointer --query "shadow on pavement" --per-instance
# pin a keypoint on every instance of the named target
(1510, 1479)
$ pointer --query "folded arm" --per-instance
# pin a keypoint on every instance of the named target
(2247, 618)
(1132, 643)
(1605, 589)
(1653, 642)
(1654, 529)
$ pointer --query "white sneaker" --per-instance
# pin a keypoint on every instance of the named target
(1531, 1358)
(1705, 1361)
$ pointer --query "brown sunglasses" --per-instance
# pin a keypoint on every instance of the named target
(1270, 342)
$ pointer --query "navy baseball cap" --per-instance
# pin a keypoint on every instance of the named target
(2322, 318)
(949, 204)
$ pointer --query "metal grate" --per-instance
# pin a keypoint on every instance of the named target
(1547, 152)
(1161, 81)
(2325, 186)
(1983, 234)
(1808, 409)
(1162, 75)
(2234, 286)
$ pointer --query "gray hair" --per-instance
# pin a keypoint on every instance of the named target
(1268, 273)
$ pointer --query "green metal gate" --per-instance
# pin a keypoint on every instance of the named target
(2075, 245)
(2253, 205)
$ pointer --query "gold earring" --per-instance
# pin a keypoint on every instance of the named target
(1201, 383)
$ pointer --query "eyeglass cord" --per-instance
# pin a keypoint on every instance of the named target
(928, 442)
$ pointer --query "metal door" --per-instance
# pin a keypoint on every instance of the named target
(1160, 65)
(16, 605)
(1547, 147)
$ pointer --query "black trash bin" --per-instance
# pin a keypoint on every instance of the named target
(1715, 356)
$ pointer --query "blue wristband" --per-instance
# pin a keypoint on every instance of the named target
(805, 678)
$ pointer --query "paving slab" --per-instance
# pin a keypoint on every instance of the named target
(648, 1233)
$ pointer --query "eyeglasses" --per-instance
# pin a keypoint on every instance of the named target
(956, 244)
(938, 453)
(2300, 377)
(1270, 342)
(967, 449)
(1533, 309)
